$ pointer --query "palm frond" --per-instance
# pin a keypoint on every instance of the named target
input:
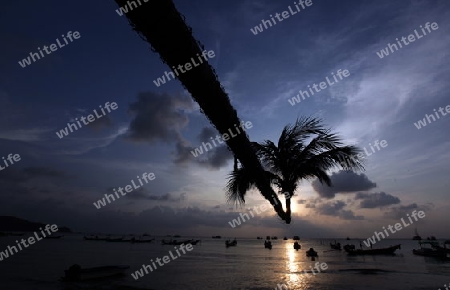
(301, 130)
(239, 182)
(345, 158)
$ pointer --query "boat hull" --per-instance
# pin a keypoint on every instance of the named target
(335, 246)
(230, 244)
(429, 253)
(383, 251)
(313, 255)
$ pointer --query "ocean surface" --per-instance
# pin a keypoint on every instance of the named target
(210, 265)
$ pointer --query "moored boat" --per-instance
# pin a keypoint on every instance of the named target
(268, 244)
(430, 249)
(175, 242)
(76, 273)
(297, 246)
(296, 238)
(311, 253)
(141, 241)
(381, 251)
(229, 243)
(445, 247)
(336, 246)
(416, 236)
(95, 238)
(348, 248)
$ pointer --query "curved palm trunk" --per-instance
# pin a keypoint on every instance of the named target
(161, 25)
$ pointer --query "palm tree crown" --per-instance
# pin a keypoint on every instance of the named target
(294, 159)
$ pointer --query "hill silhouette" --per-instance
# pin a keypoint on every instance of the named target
(10, 223)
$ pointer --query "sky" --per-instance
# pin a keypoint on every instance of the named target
(154, 128)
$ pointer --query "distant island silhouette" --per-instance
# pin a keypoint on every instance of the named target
(11, 224)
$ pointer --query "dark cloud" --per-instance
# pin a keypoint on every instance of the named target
(331, 208)
(143, 194)
(336, 209)
(217, 158)
(350, 215)
(164, 197)
(214, 158)
(158, 117)
(378, 199)
(343, 182)
(206, 134)
(183, 153)
(309, 203)
(399, 212)
(167, 197)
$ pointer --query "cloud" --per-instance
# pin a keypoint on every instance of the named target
(350, 215)
(310, 203)
(336, 209)
(26, 135)
(331, 208)
(158, 117)
(206, 134)
(373, 200)
(214, 158)
(401, 211)
(217, 158)
(343, 182)
(143, 194)
(78, 146)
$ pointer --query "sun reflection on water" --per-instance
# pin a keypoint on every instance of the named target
(294, 277)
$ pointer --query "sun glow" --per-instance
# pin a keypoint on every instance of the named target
(294, 206)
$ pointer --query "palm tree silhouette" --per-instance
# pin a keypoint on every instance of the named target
(163, 27)
(293, 159)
